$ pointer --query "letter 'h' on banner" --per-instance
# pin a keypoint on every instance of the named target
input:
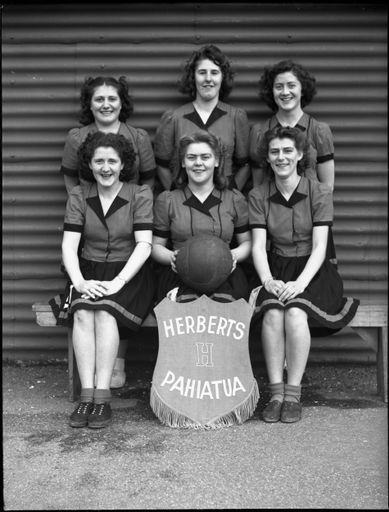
(203, 376)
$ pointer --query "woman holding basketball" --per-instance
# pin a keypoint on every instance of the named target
(301, 293)
(201, 204)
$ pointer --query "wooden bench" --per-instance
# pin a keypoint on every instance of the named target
(370, 323)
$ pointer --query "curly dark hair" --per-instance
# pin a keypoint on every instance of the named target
(283, 132)
(266, 82)
(88, 88)
(187, 84)
(181, 176)
(119, 143)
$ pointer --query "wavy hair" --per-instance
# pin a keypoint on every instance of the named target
(217, 148)
(91, 84)
(266, 82)
(283, 132)
(118, 143)
(187, 84)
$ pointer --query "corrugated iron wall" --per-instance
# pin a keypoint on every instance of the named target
(49, 49)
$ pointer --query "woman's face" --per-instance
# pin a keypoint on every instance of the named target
(208, 79)
(283, 157)
(287, 91)
(199, 162)
(106, 104)
(106, 166)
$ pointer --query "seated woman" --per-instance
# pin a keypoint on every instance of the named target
(111, 287)
(301, 293)
(201, 204)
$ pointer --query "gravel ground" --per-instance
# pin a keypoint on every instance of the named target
(334, 458)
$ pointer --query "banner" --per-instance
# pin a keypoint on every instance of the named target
(203, 376)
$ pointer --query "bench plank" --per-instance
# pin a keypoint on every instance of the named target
(370, 323)
(370, 316)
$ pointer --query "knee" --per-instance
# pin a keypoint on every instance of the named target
(295, 316)
(273, 317)
(83, 318)
(103, 317)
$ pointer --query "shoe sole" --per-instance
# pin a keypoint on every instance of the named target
(291, 420)
(271, 421)
(78, 425)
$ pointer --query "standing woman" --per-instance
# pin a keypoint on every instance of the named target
(106, 106)
(112, 287)
(201, 204)
(286, 88)
(301, 293)
(207, 80)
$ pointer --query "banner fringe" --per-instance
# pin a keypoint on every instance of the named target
(173, 419)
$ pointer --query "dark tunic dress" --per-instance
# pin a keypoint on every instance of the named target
(289, 226)
(179, 215)
(108, 243)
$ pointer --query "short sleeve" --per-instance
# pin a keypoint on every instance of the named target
(75, 211)
(242, 134)
(256, 205)
(164, 139)
(69, 164)
(324, 143)
(143, 209)
(241, 212)
(161, 215)
(146, 155)
(322, 204)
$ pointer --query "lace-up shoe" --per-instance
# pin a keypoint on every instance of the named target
(100, 416)
(79, 417)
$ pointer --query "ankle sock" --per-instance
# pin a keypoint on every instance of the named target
(86, 395)
(277, 391)
(292, 393)
(102, 395)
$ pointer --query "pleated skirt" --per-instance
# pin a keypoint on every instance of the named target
(130, 305)
(327, 308)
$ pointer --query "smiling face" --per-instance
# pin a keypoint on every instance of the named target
(283, 157)
(208, 79)
(106, 105)
(106, 166)
(287, 91)
(199, 162)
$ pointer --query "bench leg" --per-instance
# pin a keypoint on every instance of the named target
(382, 363)
(74, 384)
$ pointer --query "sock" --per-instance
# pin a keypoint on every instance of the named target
(277, 391)
(102, 396)
(292, 393)
(86, 395)
(119, 364)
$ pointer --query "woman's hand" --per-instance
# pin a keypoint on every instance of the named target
(91, 289)
(274, 286)
(173, 261)
(113, 286)
(290, 290)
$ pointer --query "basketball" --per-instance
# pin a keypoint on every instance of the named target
(204, 263)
